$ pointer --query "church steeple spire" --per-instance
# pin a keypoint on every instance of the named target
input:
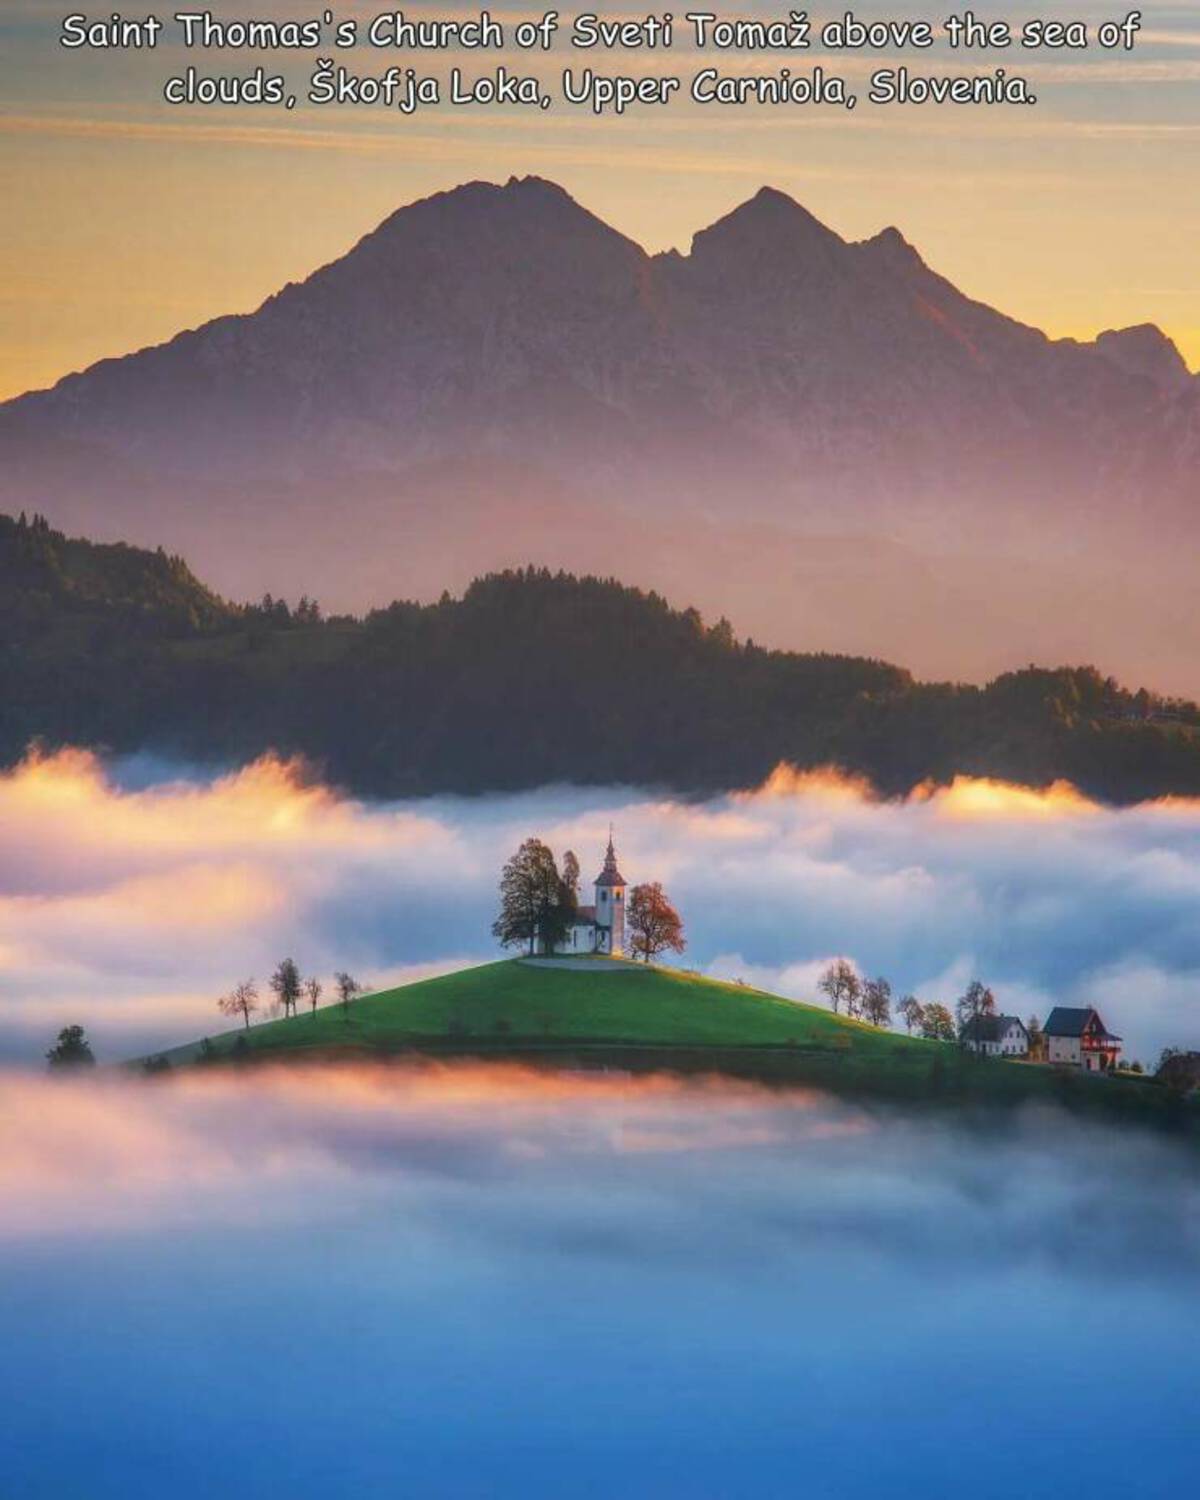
(610, 904)
(610, 875)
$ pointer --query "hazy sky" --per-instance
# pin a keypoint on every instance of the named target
(126, 219)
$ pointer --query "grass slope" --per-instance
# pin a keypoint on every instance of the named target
(641, 1019)
(512, 1003)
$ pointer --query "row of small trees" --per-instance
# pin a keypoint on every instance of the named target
(73, 1050)
(289, 988)
(871, 1000)
(539, 902)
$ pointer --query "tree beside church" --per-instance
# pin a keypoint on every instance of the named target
(654, 924)
(537, 905)
(540, 909)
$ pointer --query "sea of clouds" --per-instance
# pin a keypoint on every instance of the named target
(132, 894)
(599, 1166)
(459, 1280)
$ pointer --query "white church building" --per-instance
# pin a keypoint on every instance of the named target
(600, 928)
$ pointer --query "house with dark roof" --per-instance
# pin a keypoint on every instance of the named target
(1076, 1037)
(996, 1036)
(600, 927)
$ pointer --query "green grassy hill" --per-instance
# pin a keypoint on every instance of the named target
(614, 1014)
(511, 1003)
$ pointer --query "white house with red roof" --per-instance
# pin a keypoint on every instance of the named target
(1077, 1037)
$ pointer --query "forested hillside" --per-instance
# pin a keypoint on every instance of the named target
(529, 678)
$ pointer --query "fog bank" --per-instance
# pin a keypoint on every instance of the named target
(131, 896)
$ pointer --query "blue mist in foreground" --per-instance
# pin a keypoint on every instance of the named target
(472, 1282)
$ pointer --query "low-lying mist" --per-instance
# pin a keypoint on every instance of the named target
(603, 1164)
(132, 895)
(466, 1281)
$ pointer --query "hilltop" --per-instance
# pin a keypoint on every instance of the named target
(123, 649)
(517, 1003)
(614, 1014)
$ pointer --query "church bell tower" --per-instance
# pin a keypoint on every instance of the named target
(610, 905)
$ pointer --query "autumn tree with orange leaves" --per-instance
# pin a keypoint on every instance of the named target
(653, 924)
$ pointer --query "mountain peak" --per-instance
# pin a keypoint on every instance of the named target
(773, 211)
(531, 187)
(769, 228)
(517, 195)
(523, 221)
(496, 349)
(890, 246)
(769, 197)
(1145, 349)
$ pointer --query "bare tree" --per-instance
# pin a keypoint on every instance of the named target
(570, 874)
(348, 989)
(877, 1002)
(654, 924)
(285, 983)
(976, 1002)
(840, 984)
(312, 992)
(912, 1013)
(242, 1001)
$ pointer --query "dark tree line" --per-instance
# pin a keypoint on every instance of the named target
(112, 646)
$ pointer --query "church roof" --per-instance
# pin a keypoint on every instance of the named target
(610, 875)
(585, 916)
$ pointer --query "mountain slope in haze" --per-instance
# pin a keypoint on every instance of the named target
(488, 317)
(494, 375)
(529, 678)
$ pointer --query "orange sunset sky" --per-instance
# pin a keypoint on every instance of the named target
(127, 219)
